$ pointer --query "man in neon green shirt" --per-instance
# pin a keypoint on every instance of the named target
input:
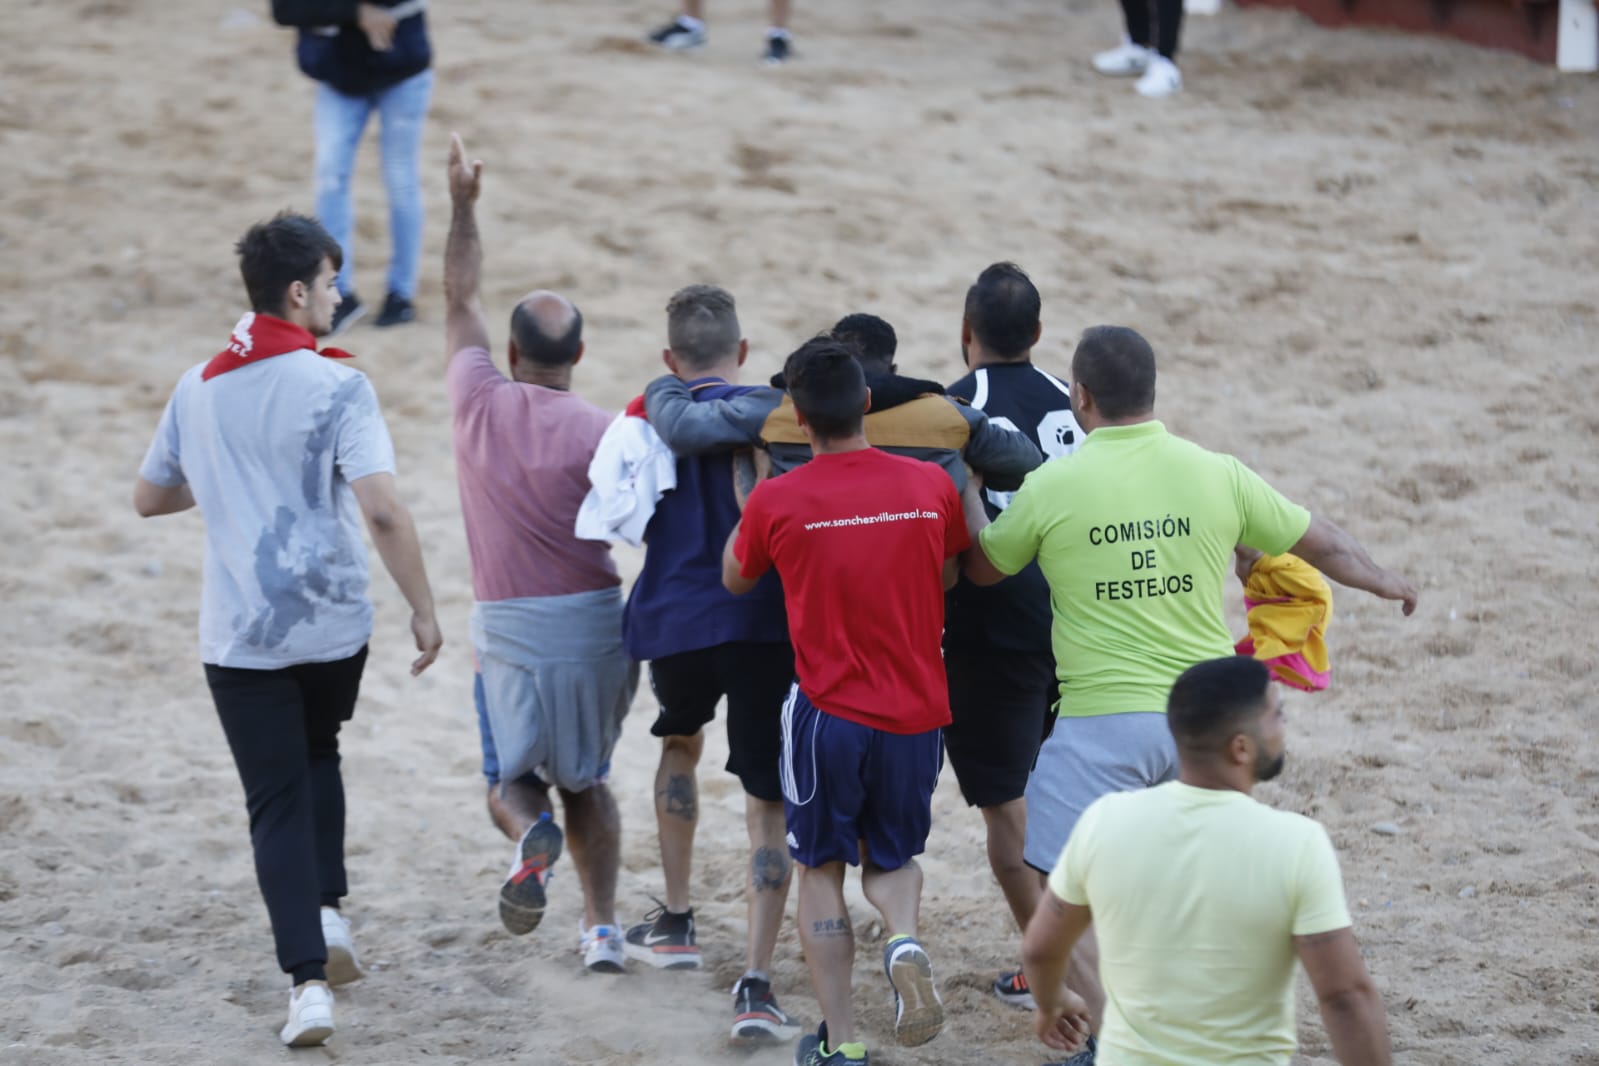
(1203, 898)
(1135, 533)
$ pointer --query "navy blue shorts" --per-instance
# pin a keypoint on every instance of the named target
(847, 785)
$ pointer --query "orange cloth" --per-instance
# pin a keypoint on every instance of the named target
(1290, 607)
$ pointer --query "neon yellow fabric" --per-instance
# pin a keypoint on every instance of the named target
(1135, 534)
(1196, 896)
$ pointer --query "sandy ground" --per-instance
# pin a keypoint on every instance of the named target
(1368, 263)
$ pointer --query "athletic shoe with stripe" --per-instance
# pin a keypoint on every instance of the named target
(1011, 988)
(522, 896)
(812, 1051)
(602, 948)
(679, 35)
(918, 1012)
(664, 940)
(757, 1019)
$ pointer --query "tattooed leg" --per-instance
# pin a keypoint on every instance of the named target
(829, 945)
(770, 871)
(677, 814)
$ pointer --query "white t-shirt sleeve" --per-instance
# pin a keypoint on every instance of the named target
(162, 464)
(362, 446)
(1319, 905)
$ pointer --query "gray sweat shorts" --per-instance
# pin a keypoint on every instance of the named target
(1084, 759)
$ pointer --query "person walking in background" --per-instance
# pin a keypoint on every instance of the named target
(282, 449)
(368, 57)
(1202, 898)
(687, 31)
(554, 682)
(1149, 51)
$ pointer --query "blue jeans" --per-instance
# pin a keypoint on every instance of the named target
(339, 121)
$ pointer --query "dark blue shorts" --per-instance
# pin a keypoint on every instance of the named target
(846, 785)
(491, 758)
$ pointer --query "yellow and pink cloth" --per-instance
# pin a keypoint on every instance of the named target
(1290, 607)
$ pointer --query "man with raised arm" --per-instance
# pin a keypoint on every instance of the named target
(284, 450)
(554, 682)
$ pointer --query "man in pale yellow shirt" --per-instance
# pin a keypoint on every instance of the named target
(1202, 899)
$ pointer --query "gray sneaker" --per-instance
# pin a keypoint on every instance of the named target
(918, 1012)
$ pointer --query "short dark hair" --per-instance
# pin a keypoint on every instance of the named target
(1215, 700)
(536, 346)
(828, 386)
(872, 338)
(1117, 366)
(274, 255)
(702, 325)
(1002, 308)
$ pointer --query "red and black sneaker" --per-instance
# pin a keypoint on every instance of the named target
(1012, 988)
(757, 1019)
(522, 895)
(664, 940)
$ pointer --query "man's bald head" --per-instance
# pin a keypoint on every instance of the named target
(547, 329)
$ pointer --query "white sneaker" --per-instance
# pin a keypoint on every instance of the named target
(310, 1015)
(343, 965)
(1125, 60)
(1161, 79)
(601, 947)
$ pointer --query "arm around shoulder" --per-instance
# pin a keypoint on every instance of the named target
(1003, 456)
(691, 427)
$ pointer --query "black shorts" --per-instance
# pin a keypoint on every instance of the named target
(1001, 707)
(755, 678)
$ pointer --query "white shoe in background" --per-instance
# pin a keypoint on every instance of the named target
(343, 966)
(310, 1015)
(1125, 60)
(1161, 79)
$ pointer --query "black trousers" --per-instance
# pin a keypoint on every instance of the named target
(1159, 32)
(283, 727)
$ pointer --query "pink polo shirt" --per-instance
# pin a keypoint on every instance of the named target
(522, 457)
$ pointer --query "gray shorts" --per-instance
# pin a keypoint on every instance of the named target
(1084, 759)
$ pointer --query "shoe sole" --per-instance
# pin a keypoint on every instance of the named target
(664, 958)
(311, 1036)
(920, 1014)
(604, 966)
(1024, 1001)
(522, 902)
(342, 967)
(761, 1032)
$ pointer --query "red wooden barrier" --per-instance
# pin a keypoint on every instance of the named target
(1530, 27)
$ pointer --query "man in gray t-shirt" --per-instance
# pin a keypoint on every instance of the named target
(280, 447)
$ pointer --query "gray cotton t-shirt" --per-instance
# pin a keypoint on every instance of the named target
(269, 450)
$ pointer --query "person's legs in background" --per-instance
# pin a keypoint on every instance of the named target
(403, 111)
(338, 122)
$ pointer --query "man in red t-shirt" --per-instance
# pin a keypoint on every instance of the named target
(865, 543)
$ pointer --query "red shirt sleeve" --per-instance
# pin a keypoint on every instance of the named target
(956, 539)
(754, 545)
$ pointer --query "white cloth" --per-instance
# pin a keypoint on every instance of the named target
(631, 470)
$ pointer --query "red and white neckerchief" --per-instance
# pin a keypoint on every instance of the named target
(259, 337)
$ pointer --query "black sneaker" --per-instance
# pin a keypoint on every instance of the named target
(1012, 988)
(1084, 1057)
(757, 1019)
(679, 35)
(397, 311)
(779, 49)
(812, 1051)
(522, 896)
(664, 940)
(345, 315)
